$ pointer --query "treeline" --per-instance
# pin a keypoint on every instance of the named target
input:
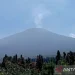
(25, 63)
(69, 58)
(40, 63)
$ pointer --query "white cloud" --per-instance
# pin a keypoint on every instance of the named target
(39, 13)
(72, 35)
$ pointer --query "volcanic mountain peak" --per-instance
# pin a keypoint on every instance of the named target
(36, 41)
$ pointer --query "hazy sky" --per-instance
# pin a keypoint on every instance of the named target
(55, 15)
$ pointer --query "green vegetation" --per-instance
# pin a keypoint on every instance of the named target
(20, 66)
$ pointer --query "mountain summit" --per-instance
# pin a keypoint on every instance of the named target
(36, 41)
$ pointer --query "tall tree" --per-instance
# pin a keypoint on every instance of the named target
(64, 55)
(71, 58)
(58, 56)
(14, 60)
(22, 59)
(4, 61)
(39, 62)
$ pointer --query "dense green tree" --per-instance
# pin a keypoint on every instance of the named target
(71, 58)
(64, 55)
(39, 62)
(58, 56)
(22, 59)
(14, 59)
(5, 58)
(29, 60)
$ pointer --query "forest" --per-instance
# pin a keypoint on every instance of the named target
(15, 65)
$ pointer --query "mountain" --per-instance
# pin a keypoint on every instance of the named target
(36, 41)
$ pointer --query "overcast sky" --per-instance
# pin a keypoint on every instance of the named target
(58, 16)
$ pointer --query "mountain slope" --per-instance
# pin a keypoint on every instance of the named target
(36, 41)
